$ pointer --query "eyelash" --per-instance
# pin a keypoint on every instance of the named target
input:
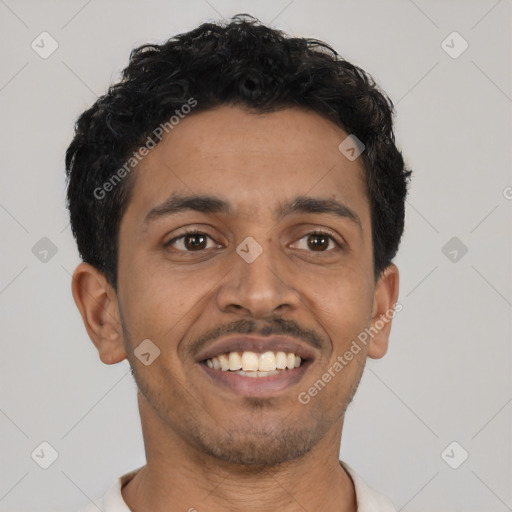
(185, 234)
(196, 232)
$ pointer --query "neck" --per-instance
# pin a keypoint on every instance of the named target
(177, 475)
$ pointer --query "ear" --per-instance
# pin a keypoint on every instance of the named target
(384, 300)
(97, 302)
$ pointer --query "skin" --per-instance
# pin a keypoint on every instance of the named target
(207, 447)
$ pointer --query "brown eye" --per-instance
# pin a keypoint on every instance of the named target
(195, 241)
(318, 242)
(190, 242)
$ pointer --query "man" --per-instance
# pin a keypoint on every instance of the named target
(237, 200)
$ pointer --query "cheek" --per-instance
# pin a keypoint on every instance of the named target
(154, 307)
(343, 306)
(158, 311)
(160, 302)
(348, 287)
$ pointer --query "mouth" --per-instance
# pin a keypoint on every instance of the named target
(256, 367)
(252, 364)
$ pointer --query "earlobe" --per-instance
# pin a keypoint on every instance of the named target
(385, 298)
(97, 303)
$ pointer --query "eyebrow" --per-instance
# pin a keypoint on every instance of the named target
(210, 204)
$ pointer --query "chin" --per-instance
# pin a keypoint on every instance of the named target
(261, 448)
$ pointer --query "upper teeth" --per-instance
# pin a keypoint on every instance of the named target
(251, 361)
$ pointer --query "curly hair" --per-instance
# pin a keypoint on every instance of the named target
(242, 63)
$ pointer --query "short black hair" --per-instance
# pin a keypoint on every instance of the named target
(242, 63)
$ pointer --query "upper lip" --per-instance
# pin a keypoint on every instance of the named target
(242, 343)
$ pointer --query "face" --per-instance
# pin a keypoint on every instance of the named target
(247, 245)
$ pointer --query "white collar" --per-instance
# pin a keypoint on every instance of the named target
(368, 500)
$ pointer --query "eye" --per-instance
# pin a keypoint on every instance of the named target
(317, 242)
(191, 241)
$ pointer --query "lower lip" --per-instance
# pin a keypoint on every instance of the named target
(257, 386)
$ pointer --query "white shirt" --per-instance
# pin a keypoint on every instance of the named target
(368, 500)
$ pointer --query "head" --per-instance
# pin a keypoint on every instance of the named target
(234, 134)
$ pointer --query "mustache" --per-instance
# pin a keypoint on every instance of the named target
(277, 326)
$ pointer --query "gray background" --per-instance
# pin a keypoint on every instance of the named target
(447, 374)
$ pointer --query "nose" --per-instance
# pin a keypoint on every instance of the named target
(258, 288)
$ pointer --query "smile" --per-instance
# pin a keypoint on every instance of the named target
(252, 364)
(241, 373)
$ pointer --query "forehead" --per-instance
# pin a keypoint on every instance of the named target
(254, 161)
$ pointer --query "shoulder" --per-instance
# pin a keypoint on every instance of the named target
(368, 500)
(112, 500)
